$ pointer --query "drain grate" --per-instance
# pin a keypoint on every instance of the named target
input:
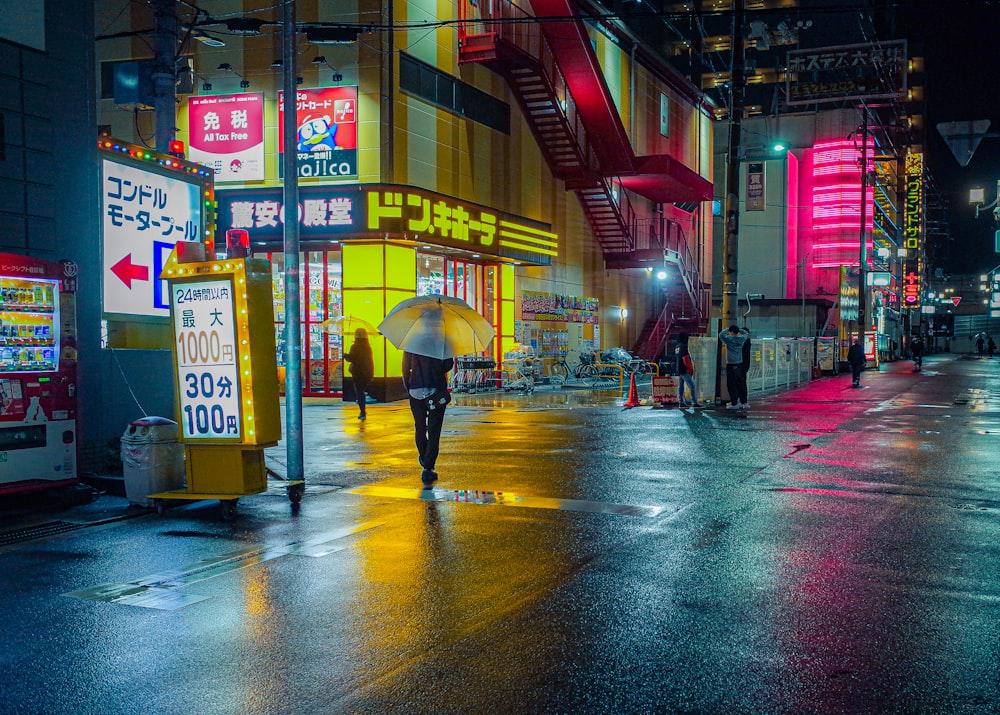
(38, 531)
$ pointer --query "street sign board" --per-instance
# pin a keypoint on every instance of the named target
(665, 390)
(207, 370)
(226, 376)
(149, 202)
(963, 138)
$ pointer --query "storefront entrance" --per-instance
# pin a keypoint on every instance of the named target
(321, 295)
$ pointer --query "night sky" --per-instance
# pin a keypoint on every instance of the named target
(960, 42)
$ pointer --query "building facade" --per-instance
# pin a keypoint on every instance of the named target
(553, 174)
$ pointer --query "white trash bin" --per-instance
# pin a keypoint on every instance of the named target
(152, 459)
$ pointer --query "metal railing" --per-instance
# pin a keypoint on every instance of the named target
(504, 21)
(776, 365)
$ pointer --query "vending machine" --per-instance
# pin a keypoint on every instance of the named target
(37, 374)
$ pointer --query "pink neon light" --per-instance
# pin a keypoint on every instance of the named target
(836, 202)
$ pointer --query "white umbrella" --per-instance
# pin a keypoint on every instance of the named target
(346, 325)
(436, 326)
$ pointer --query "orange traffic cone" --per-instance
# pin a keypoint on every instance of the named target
(633, 394)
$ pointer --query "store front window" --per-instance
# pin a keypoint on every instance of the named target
(472, 282)
(320, 299)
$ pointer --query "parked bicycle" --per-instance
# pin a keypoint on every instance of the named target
(629, 363)
(585, 369)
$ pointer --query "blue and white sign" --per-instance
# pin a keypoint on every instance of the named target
(144, 214)
(208, 377)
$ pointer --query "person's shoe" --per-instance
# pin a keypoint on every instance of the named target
(745, 406)
(362, 417)
(698, 404)
(732, 407)
(428, 477)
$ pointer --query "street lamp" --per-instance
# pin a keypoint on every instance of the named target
(977, 197)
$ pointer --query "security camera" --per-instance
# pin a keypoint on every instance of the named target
(996, 214)
(755, 296)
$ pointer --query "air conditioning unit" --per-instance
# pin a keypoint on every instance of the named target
(133, 83)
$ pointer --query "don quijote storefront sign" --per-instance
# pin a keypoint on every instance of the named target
(386, 211)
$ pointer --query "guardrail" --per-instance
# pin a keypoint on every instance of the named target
(605, 384)
(776, 364)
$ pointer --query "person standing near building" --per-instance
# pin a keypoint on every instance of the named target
(426, 381)
(685, 373)
(736, 380)
(917, 351)
(980, 344)
(362, 368)
(856, 359)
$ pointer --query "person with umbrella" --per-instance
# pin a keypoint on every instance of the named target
(426, 381)
(362, 367)
(431, 330)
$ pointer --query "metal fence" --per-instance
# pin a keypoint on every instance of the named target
(776, 364)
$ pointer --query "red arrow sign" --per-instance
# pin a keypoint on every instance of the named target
(127, 272)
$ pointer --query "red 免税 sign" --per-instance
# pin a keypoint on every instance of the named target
(226, 132)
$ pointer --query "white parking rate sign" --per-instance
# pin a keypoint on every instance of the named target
(208, 378)
(145, 214)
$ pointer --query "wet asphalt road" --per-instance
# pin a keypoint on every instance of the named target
(835, 551)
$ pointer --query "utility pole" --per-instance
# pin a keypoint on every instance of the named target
(165, 73)
(293, 340)
(730, 244)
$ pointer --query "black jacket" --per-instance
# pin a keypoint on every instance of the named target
(362, 365)
(856, 356)
(422, 371)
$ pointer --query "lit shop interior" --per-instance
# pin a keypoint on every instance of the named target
(324, 292)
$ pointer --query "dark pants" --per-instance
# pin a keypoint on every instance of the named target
(360, 386)
(856, 372)
(736, 382)
(427, 428)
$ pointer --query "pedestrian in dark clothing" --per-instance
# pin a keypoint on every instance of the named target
(746, 356)
(917, 351)
(685, 373)
(362, 367)
(856, 359)
(736, 378)
(980, 344)
(991, 347)
(426, 380)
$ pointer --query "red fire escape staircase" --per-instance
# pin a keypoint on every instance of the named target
(686, 300)
(511, 44)
(572, 115)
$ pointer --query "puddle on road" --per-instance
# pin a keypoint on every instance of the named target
(483, 497)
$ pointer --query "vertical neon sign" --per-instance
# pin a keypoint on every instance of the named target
(914, 222)
(836, 205)
(913, 229)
